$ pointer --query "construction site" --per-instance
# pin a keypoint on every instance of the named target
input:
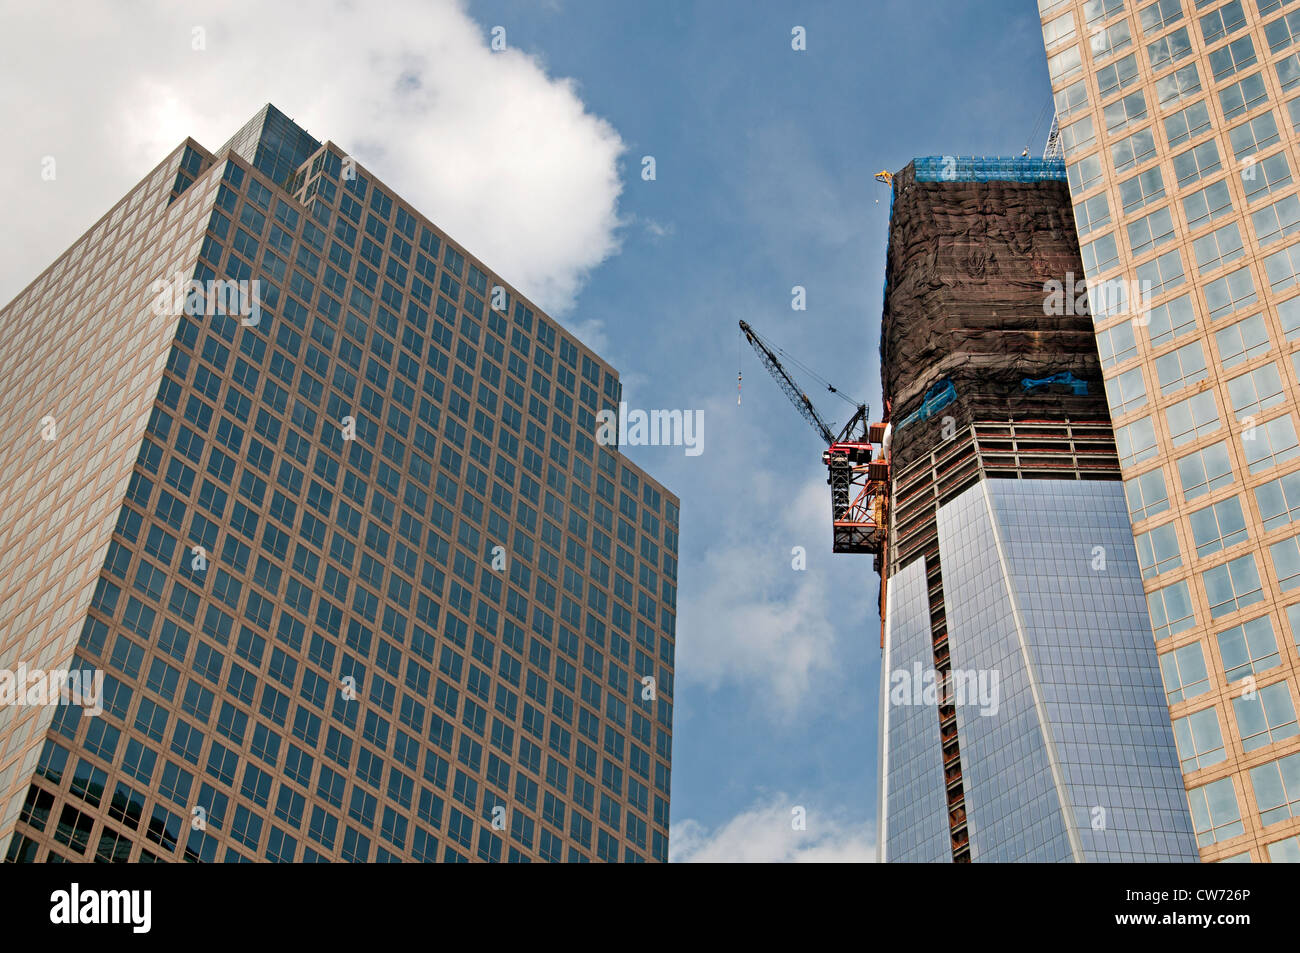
(992, 464)
(976, 375)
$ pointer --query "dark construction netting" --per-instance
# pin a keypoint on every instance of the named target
(965, 279)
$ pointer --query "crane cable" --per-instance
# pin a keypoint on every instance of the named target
(804, 367)
(1033, 133)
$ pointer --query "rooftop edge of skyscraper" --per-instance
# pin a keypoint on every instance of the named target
(987, 169)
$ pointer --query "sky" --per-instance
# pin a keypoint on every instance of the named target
(534, 158)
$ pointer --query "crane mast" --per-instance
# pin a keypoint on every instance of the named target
(856, 462)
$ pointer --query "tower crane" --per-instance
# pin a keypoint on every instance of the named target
(856, 460)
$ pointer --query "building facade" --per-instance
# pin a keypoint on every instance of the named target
(1011, 579)
(1178, 122)
(321, 498)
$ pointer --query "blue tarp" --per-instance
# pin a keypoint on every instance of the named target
(987, 169)
(939, 396)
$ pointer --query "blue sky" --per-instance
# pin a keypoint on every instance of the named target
(532, 158)
(765, 160)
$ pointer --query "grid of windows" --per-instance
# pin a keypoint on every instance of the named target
(1277, 789)
(1216, 814)
(1146, 495)
(1181, 367)
(1232, 586)
(1200, 742)
(1241, 341)
(1184, 673)
(1218, 526)
(1248, 648)
(1207, 204)
(1265, 716)
(1158, 550)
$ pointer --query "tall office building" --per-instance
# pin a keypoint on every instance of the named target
(361, 582)
(1022, 717)
(1178, 121)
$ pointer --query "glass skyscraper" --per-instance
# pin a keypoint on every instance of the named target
(1180, 125)
(1012, 581)
(360, 580)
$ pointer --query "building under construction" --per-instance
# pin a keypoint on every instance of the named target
(1010, 580)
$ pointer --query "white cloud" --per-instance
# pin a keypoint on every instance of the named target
(766, 621)
(747, 615)
(659, 230)
(591, 332)
(765, 834)
(504, 157)
(655, 229)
